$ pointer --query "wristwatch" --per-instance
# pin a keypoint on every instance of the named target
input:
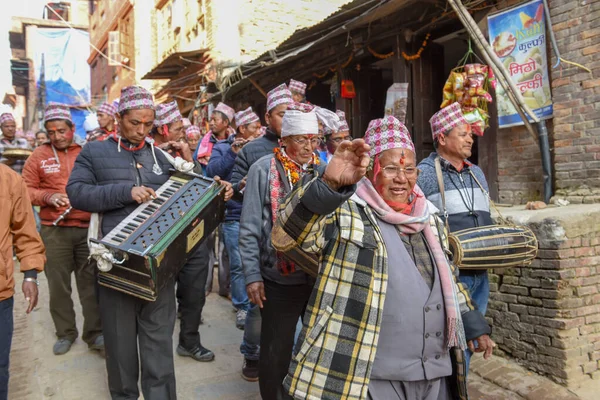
(34, 280)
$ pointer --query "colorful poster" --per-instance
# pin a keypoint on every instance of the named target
(518, 37)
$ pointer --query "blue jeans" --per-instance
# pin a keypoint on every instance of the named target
(250, 346)
(478, 285)
(6, 333)
(231, 235)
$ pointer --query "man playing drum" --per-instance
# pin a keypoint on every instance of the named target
(466, 204)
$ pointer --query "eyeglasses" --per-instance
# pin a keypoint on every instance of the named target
(304, 141)
(339, 140)
(391, 172)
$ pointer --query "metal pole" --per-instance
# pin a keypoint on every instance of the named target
(546, 162)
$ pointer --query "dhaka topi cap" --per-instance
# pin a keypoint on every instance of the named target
(226, 110)
(343, 123)
(297, 87)
(135, 98)
(6, 117)
(246, 117)
(299, 120)
(447, 119)
(387, 133)
(107, 108)
(167, 113)
(192, 131)
(328, 119)
(280, 95)
(186, 123)
(57, 111)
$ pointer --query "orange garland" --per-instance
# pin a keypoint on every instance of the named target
(292, 169)
(417, 55)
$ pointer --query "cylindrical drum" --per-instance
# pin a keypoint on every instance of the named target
(494, 246)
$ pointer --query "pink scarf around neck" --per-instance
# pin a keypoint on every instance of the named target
(418, 221)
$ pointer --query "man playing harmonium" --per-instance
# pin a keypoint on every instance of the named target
(112, 177)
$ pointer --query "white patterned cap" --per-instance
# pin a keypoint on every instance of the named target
(57, 111)
(298, 87)
(226, 110)
(447, 119)
(387, 133)
(246, 117)
(280, 95)
(167, 113)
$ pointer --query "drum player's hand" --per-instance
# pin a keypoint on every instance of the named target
(58, 200)
(256, 293)
(485, 345)
(142, 194)
(228, 187)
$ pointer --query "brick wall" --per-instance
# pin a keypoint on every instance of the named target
(577, 99)
(548, 315)
(575, 129)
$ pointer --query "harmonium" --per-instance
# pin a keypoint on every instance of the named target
(157, 239)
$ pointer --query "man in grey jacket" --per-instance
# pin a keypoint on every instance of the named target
(278, 287)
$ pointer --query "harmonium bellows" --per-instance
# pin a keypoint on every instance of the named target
(157, 239)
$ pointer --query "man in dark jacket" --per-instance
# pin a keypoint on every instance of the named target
(221, 164)
(466, 205)
(113, 177)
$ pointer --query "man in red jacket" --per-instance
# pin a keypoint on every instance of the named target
(64, 231)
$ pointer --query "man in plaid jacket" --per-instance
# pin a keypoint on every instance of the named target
(377, 248)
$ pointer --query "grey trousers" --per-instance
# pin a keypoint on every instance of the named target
(436, 389)
(129, 322)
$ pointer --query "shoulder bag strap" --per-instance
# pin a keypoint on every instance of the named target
(440, 179)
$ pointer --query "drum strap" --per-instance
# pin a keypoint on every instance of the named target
(440, 179)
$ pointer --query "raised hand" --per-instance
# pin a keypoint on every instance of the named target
(348, 165)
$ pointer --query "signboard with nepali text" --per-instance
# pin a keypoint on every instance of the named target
(518, 37)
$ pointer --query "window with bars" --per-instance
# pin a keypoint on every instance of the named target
(125, 39)
(114, 48)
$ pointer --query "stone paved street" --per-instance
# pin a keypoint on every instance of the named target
(37, 374)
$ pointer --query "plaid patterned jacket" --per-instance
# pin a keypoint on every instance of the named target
(339, 339)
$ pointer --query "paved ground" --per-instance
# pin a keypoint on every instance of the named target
(37, 374)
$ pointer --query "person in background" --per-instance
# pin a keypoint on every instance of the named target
(18, 236)
(329, 123)
(168, 132)
(30, 137)
(467, 205)
(186, 123)
(46, 173)
(278, 100)
(277, 286)
(41, 137)
(9, 140)
(333, 139)
(220, 128)
(387, 310)
(138, 334)
(221, 164)
(192, 134)
(298, 90)
(106, 121)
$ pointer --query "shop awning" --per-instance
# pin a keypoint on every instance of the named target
(176, 63)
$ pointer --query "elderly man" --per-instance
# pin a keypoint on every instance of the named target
(10, 141)
(334, 138)
(221, 164)
(106, 122)
(64, 231)
(467, 205)
(386, 311)
(279, 288)
(113, 177)
(17, 230)
(298, 90)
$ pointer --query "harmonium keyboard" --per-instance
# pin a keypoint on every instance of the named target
(159, 236)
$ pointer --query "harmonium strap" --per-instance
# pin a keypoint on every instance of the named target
(159, 236)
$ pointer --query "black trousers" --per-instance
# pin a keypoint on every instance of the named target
(191, 296)
(128, 322)
(280, 313)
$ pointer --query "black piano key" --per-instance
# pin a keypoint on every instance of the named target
(146, 212)
(118, 235)
(139, 219)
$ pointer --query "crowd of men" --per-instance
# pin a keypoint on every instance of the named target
(380, 314)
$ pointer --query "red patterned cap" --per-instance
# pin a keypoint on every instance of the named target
(167, 113)
(343, 123)
(246, 117)
(226, 110)
(297, 86)
(447, 119)
(6, 117)
(57, 111)
(107, 108)
(280, 95)
(387, 133)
